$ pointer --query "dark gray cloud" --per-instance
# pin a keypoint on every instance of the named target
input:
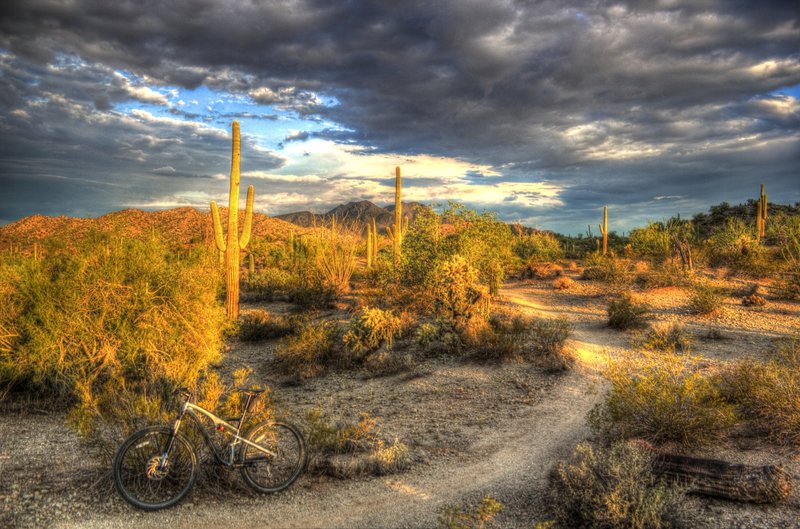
(618, 103)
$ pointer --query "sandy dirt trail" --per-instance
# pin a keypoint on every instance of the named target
(511, 463)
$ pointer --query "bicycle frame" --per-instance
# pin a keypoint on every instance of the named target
(192, 411)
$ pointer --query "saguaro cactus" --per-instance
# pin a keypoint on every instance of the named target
(604, 229)
(369, 245)
(400, 225)
(234, 243)
(761, 215)
(374, 241)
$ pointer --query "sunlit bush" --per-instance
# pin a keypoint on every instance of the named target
(111, 325)
(662, 397)
(613, 488)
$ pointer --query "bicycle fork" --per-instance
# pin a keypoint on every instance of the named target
(162, 463)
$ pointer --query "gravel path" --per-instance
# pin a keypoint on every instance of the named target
(511, 463)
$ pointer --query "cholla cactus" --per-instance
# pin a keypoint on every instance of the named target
(234, 243)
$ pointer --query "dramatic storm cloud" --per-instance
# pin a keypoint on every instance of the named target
(542, 111)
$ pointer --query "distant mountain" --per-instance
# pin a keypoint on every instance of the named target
(359, 212)
(182, 226)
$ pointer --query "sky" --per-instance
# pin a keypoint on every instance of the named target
(541, 111)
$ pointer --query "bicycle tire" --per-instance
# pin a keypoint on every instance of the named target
(270, 474)
(144, 486)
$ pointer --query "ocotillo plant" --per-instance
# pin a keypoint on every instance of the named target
(400, 225)
(234, 242)
(761, 215)
(604, 229)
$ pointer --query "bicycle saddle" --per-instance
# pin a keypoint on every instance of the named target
(250, 391)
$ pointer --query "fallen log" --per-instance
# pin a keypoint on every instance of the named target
(713, 477)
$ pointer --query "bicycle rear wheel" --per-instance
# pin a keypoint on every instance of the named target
(266, 472)
(142, 481)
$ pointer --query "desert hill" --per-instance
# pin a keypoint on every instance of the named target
(362, 211)
(182, 226)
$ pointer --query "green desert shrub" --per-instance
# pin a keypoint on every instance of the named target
(371, 329)
(734, 245)
(111, 325)
(480, 516)
(437, 337)
(539, 246)
(458, 293)
(662, 397)
(384, 363)
(667, 337)
(705, 298)
(258, 325)
(313, 297)
(607, 268)
(768, 393)
(612, 488)
(503, 336)
(314, 347)
(625, 312)
(347, 450)
(547, 343)
(269, 283)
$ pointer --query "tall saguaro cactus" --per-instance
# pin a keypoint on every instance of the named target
(234, 243)
(761, 215)
(604, 229)
(369, 245)
(400, 225)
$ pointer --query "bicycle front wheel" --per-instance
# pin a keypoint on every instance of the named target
(281, 461)
(140, 477)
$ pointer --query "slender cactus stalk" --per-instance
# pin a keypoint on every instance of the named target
(397, 232)
(604, 229)
(234, 243)
(761, 215)
(369, 245)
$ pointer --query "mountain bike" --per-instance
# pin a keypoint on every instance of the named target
(156, 467)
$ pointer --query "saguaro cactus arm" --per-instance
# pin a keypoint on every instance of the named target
(248, 218)
(219, 238)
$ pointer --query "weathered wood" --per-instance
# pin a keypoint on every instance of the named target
(712, 477)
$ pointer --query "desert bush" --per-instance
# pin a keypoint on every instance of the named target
(705, 298)
(438, 337)
(371, 329)
(667, 337)
(768, 393)
(624, 312)
(664, 275)
(539, 246)
(547, 343)
(112, 325)
(612, 488)
(661, 397)
(539, 270)
(260, 325)
(563, 283)
(384, 363)
(334, 252)
(458, 294)
(314, 347)
(504, 336)
(365, 451)
(267, 284)
(479, 239)
(753, 300)
(734, 246)
(607, 268)
(788, 286)
(313, 297)
(480, 516)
